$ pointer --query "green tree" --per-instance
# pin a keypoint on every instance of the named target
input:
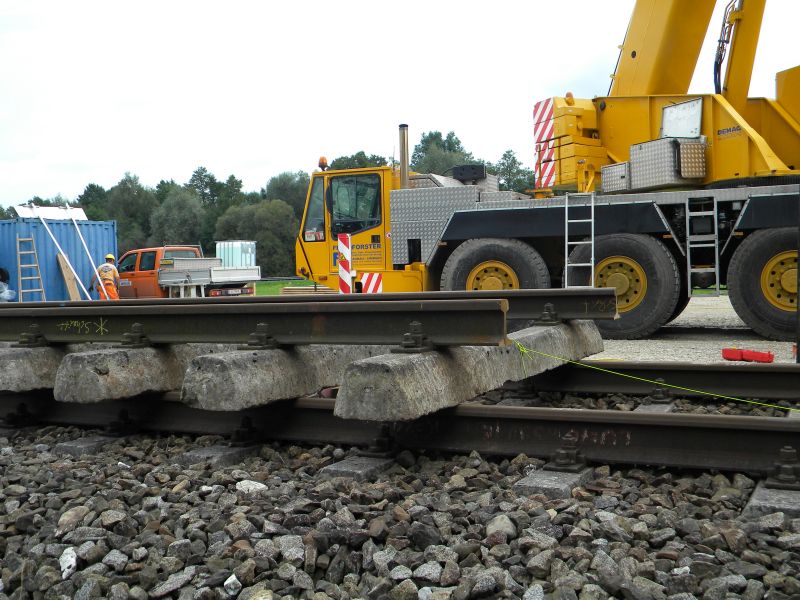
(205, 184)
(93, 202)
(359, 160)
(511, 173)
(252, 197)
(163, 189)
(272, 224)
(289, 187)
(178, 220)
(5, 213)
(230, 193)
(438, 154)
(57, 200)
(131, 204)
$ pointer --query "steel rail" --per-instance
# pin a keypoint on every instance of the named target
(749, 444)
(765, 381)
(444, 322)
(746, 444)
(588, 303)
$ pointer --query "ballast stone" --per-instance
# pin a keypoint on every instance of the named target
(84, 445)
(553, 484)
(247, 378)
(360, 468)
(114, 373)
(766, 501)
(403, 387)
(217, 456)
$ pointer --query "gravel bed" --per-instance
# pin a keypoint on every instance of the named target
(130, 523)
(709, 311)
(517, 394)
(698, 335)
(520, 394)
(710, 407)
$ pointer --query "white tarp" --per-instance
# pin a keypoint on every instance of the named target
(50, 212)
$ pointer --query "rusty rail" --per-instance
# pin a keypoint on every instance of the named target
(747, 444)
(263, 324)
(588, 303)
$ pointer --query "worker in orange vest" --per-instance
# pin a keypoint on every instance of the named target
(109, 278)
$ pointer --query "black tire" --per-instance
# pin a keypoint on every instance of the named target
(663, 282)
(683, 300)
(702, 280)
(744, 283)
(526, 263)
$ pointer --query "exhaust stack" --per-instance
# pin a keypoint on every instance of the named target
(403, 156)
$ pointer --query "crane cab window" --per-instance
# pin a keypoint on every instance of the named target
(314, 227)
(128, 263)
(356, 201)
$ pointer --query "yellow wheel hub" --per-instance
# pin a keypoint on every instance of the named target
(492, 275)
(627, 278)
(779, 280)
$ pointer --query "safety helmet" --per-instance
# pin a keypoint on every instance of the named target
(111, 256)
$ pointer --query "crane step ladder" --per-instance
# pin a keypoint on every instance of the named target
(28, 273)
(702, 240)
(575, 226)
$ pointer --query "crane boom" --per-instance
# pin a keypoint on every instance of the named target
(661, 47)
(745, 19)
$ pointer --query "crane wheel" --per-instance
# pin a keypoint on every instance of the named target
(762, 282)
(645, 276)
(494, 264)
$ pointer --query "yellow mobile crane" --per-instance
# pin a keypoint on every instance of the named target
(649, 190)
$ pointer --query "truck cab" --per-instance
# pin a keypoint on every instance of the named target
(138, 270)
(355, 202)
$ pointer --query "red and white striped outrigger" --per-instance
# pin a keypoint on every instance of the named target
(371, 283)
(344, 258)
(543, 135)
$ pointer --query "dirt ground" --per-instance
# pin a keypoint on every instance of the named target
(698, 335)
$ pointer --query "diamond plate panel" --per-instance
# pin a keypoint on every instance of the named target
(431, 203)
(500, 204)
(655, 164)
(497, 196)
(615, 178)
(423, 213)
(693, 160)
(428, 232)
(490, 184)
(417, 183)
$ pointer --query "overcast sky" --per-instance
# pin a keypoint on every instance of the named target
(90, 90)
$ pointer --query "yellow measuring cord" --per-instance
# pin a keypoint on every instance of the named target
(523, 350)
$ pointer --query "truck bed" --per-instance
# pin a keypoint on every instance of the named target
(204, 271)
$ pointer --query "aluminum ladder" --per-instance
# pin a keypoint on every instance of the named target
(695, 241)
(27, 267)
(570, 237)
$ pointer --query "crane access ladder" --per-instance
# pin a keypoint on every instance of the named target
(582, 212)
(27, 247)
(700, 213)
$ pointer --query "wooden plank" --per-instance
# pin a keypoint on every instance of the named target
(69, 279)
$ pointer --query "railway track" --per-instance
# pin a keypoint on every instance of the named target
(750, 444)
(448, 477)
(764, 381)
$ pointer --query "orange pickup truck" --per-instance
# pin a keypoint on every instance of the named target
(181, 271)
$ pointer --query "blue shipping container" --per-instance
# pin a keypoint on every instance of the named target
(100, 236)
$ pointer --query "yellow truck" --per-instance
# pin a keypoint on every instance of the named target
(649, 190)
